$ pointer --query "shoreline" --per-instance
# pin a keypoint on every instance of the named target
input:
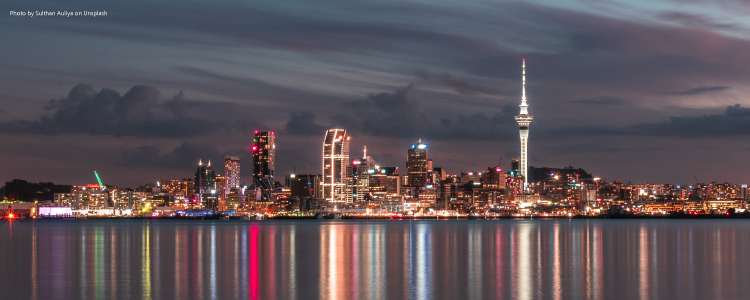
(602, 217)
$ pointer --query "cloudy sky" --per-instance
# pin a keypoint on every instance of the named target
(630, 90)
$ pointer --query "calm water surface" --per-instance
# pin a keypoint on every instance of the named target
(566, 259)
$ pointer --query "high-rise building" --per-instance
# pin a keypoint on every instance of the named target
(231, 173)
(743, 192)
(304, 185)
(515, 165)
(335, 163)
(524, 119)
(264, 150)
(417, 165)
(205, 185)
(361, 170)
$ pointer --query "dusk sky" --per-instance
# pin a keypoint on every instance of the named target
(630, 90)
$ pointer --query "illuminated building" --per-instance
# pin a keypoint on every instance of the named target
(205, 185)
(231, 173)
(335, 163)
(359, 174)
(437, 181)
(88, 197)
(417, 165)
(264, 158)
(179, 190)
(493, 178)
(304, 185)
(524, 119)
(515, 166)
(743, 192)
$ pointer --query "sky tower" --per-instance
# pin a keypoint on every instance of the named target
(524, 119)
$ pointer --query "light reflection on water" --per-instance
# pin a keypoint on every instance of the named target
(566, 259)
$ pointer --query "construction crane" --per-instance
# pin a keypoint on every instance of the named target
(101, 185)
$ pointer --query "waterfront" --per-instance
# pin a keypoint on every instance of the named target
(360, 259)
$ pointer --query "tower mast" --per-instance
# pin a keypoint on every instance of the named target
(524, 119)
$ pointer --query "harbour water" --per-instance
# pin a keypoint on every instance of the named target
(359, 259)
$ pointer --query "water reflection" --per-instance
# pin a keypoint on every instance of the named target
(568, 259)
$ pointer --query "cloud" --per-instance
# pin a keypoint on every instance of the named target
(601, 101)
(303, 124)
(735, 121)
(697, 91)
(695, 20)
(460, 86)
(181, 157)
(137, 113)
(400, 114)
(465, 87)
(422, 73)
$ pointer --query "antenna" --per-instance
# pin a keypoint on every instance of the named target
(523, 98)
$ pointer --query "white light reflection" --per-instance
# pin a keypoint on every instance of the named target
(598, 272)
(292, 263)
(179, 245)
(475, 262)
(556, 274)
(82, 277)
(643, 262)
(524, 262)
(34, 265)
(212, 254)
(421, 265)
(145, 263)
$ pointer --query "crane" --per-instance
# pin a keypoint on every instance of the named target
(101, 185)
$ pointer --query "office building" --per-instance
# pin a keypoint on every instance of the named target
(360, 172)
(205, 186)
(263, 163)
(304, 185)
(335, 163)
(418, 166)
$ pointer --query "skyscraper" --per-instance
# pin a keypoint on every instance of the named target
(335, 162)
(524, 119)
(264, 158)
(361, 170)
(231, 173)
(205, 185)
(417, 165)
(515, 165)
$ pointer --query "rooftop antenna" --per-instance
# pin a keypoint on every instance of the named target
(365, 153)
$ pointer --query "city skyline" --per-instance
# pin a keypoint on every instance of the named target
(651, 93)
(231, 149)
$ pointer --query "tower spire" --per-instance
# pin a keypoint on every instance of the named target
(523, 75)
(365, 156)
